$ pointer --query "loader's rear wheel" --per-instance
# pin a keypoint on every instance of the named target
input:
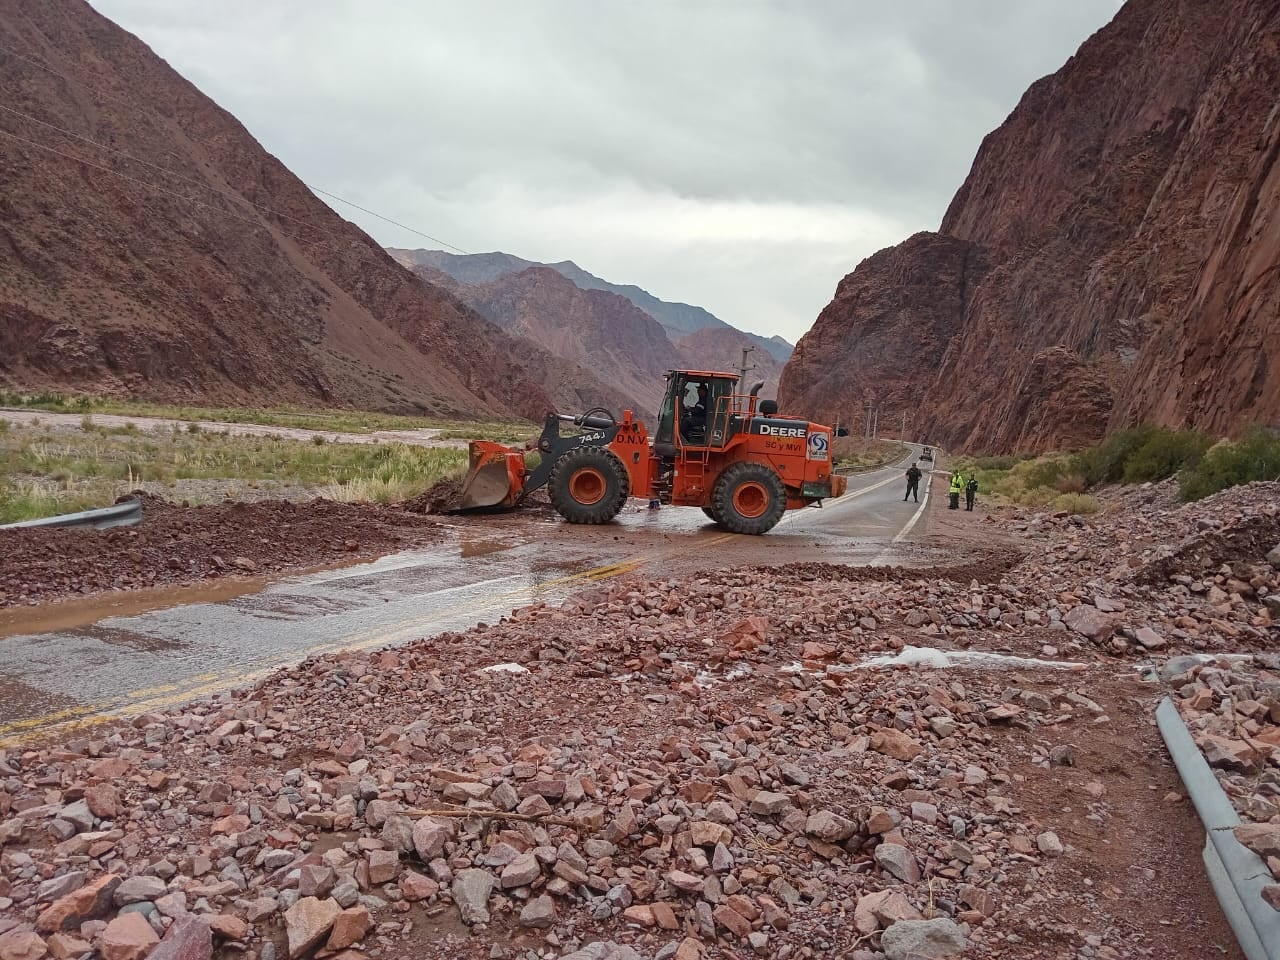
(589, 485)
(711, 514)
(748, 498)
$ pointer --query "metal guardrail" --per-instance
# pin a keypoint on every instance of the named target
(126, 514)
(1236, 873)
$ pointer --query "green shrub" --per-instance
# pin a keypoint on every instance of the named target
(1041, 473)
(1106, 462)
(1164, 454)
(1256, 456)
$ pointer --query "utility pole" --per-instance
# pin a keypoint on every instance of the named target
(875, 424)
(866, 428)
(902, 437)
(743, 369)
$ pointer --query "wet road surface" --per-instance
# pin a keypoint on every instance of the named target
(150, 659)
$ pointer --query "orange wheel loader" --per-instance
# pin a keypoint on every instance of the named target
(730, 454)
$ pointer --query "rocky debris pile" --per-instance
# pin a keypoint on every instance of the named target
(444, 496)
(322, 809)
(1155, 578)
(178, 544)
(697, 768)
(660, 765)
(1231, 706)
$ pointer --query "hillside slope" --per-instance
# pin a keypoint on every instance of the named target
(1123, 238)
(149, 246)
(604, 332)
(678, 319)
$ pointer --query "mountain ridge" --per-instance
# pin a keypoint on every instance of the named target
(1122, 246)
(150, 247)
(679, 319)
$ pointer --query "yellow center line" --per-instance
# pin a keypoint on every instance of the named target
(151, 699)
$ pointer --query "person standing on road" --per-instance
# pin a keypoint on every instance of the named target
(913, 483)
(970, 492)
(957, 487)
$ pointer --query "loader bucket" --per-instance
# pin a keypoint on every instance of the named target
(495, 478)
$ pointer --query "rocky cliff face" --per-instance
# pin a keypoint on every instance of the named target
(150, 246)
(720, 348)
(1124, 225)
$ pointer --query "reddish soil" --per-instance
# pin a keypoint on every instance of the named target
(1120, 809)
(179, 544)
(443, 497)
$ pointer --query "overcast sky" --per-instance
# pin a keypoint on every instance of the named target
(742, 155)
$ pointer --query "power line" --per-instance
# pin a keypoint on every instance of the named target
(205, 185)
(381, 217)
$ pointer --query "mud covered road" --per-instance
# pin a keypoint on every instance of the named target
(68, 663)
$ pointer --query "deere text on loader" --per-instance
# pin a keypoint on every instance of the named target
(728, 453)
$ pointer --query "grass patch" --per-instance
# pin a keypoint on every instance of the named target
(848, 453)
(334, 421)
(27, 500)
(45, 473)
(1028, 483)
(1140, 455)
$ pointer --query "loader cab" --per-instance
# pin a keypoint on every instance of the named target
(695, 411)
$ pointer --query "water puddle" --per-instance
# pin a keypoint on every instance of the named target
(83, 612)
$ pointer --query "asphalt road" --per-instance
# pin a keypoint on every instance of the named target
(151, 659)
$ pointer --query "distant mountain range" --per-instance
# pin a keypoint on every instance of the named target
(625, 336)
(679, 319)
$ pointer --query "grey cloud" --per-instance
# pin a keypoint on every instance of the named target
(514, 125)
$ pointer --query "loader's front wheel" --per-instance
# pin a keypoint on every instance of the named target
(748, 498)
(589, 485)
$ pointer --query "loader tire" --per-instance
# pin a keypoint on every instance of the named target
(589, 485)
(748, 498)
(711, 514)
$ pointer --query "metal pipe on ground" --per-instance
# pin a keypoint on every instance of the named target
(1236, 873)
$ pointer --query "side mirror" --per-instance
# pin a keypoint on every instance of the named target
(842, 431)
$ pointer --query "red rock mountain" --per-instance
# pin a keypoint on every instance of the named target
(678, 319)
(1112, 258)
(149, 246)
(603, 332)
(720, 348)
